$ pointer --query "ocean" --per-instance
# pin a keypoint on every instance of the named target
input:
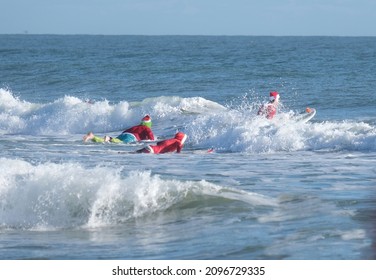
(271, 190)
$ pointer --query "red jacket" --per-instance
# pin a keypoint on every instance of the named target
(269, 110)
(141, 132)
(167, 146)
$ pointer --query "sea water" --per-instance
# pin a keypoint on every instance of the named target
(272, 189)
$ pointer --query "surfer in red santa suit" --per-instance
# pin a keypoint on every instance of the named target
(132, 134)
(270, 109)
(166, 146)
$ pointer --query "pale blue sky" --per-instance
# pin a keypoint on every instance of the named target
(190, 17)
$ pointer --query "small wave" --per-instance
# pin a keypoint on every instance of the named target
(49, 196)
(67, 115)
(166, 105)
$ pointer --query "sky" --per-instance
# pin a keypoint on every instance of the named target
(190, 17)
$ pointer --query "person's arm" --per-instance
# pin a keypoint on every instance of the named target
(150, 134)
(261, 110)
(179, 148)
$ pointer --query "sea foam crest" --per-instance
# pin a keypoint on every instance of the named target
(242, 131)
(71, 115)
(66, 115)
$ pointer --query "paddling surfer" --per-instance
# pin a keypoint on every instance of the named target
(166, 146)
(133, 134)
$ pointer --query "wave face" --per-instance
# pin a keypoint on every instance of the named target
(207, 123)
(51, 196)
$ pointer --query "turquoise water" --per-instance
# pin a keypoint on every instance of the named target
(271, 190)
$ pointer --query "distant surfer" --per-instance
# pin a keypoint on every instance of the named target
(166, 146)
(135, 133)
(270, 109)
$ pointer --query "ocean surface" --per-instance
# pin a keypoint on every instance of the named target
(279, 189)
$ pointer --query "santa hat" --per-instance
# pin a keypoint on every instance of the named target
(181, 137)
(146, 121)
(274, 95)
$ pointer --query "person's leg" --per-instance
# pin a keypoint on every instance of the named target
(147, 150)
(88, 136)
(126, 138)
(93, 138)
(143, 151)
(115, 140)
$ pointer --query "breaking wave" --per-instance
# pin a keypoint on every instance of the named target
(50, 196)
(207, 123)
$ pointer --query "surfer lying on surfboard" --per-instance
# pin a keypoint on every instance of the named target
(166, 146)
(133, 134)
(270, 109)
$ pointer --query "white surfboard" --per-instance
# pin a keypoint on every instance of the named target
(306, 116)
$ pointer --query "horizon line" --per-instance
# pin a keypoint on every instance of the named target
(170, 35)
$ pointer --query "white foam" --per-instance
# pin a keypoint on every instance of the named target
(207, 124)
(353, 234)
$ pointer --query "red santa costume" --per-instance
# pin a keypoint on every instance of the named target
(133, 134)
(140, 132)
(270, 109)
(166, 146)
